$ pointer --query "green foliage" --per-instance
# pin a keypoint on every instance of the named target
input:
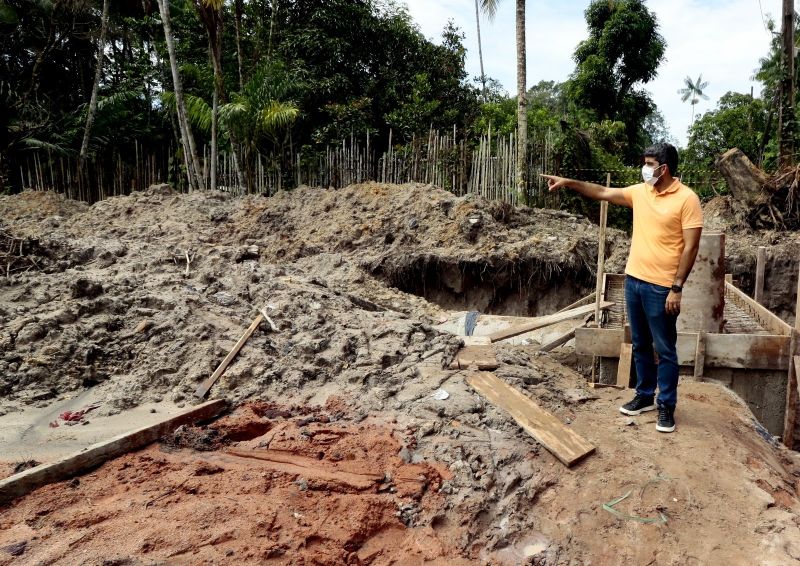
(739, 120)
(623, 50)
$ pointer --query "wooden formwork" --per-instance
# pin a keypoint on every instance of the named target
(752, 338)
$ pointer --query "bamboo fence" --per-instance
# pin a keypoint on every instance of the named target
(484, 167)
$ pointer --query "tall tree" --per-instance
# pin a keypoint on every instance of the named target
(693, 91)
(101, 49)
(480, 49)
(623, 50)
(490, 8)
(193, 170)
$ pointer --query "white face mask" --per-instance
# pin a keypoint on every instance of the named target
(647, 175)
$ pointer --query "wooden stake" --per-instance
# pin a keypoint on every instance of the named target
(203, 388)
(790, 414)
(601, 255)
(758, 292)
(700, 356)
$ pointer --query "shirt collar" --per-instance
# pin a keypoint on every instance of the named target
(676, 183)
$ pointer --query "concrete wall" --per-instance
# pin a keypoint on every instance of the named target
(763, 391)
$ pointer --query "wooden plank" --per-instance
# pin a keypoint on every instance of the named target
(761, 260)
(766, 318)
(700, 356)
(203, 388)
(43, 474)
(579, 303)
(560, 341)
(601, 255)
(543, 321)
(625, 363)
(792, 398)
(481, 356)
(476, 340)
(747, 351)
(564, 443)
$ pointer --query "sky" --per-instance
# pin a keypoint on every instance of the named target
(722, 40)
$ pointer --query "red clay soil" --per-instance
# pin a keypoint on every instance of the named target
(304, 489)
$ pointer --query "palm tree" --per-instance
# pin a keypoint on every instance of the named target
(693, 91)
(480, 48)
(490, 8)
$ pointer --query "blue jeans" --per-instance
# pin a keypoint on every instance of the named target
(652, 328)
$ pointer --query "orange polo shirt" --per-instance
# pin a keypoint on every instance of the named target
(658, 223)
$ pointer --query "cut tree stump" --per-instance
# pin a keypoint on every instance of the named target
(745, 181)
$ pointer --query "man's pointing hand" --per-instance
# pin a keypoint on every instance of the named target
(554, 183)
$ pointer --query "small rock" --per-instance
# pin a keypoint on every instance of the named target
(223, 298)
(405, 455)
(16, 549)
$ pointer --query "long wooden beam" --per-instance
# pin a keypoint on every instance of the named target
(745, 351)
(766, 318)
(43, 474)
(543, 321)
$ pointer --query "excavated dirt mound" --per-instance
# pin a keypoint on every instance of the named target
(348, 452)
(143, 296)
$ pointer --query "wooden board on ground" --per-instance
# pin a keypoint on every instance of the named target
(43, 474)
(564, 443)
(481, 356)
(625, 363)
(543, 321)
(203, 388)
(476, 340)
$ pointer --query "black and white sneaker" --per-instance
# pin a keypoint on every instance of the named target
(666, 419)
(639, 405)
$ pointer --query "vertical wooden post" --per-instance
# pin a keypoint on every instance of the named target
(601, 255)
(761, 258)
(790, 415)
(601, 260)
(700, 355)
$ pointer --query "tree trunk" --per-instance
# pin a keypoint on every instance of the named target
(187, 139)
(744, 179)
(522, 105)
(480, 49)
(101, 47)
(786, 117)
(214, 146)
(237, 6)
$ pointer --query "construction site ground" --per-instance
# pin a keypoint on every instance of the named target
(349, 441)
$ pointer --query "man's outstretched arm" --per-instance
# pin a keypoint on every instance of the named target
(591, 190)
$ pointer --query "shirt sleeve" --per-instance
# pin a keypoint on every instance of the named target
(692, 213)
(627, 193)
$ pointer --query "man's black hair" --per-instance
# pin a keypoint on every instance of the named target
(664, 153)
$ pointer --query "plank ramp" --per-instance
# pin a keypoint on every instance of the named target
(564, 443)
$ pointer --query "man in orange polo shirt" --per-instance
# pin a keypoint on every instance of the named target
(667, 222)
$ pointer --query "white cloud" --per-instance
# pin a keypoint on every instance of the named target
(723, 40)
